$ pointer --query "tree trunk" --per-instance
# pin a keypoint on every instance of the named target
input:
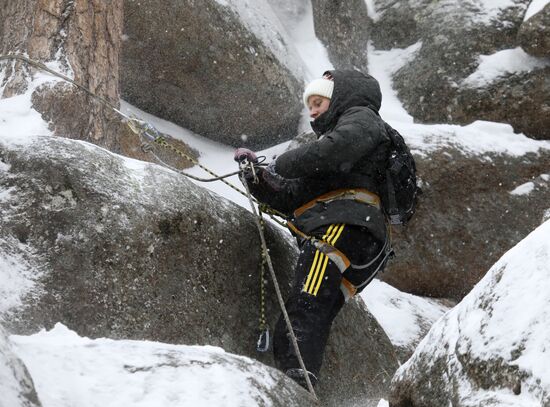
(83, 39)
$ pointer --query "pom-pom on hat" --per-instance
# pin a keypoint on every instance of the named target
(322, 87)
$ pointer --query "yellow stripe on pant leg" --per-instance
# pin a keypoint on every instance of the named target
(332, 242)
(315, 260)
(323, 260)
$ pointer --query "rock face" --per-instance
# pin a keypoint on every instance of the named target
(131, 250)
(534, 33)
(343, 27)
(16, 385)
(489, 350)
(222, 69)
(437, 86)
(466, 219)
(398, 24)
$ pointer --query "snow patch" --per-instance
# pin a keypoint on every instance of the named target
(4, 167)
(502, 63)
(69, 370)
(382, 66)
(19, 123)
(524, 189)
(400, 314)
(534, 7)
(311, 50)
(489, 10)
(17, 279)
(260, 19)
(371, 10)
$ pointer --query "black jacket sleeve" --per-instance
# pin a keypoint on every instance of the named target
(358, 132)
(274, 190)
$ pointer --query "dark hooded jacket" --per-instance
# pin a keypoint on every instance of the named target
(351, 152)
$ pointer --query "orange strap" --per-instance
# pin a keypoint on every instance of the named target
(355, 194)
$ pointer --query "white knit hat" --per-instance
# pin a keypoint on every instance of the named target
(321, 87)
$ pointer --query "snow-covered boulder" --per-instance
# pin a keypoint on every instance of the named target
(473, 209)
(224, 69)
(534, 33)
(113, 247)
(492, 348)
(16, 386)
(405, 318)
(468, 65)
(343, 26)
(75, 371)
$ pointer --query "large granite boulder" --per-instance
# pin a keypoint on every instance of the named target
(16, 385)
(534, 33)
(126, 249)
(491, 349)
(343, 27)
(446, 81)
(225, 70)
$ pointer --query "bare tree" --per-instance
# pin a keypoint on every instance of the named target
(83, 39)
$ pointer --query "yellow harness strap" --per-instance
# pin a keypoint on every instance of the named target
(338, 258)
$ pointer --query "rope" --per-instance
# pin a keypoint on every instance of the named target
(257, 218)
(43, 67)
(146, 130)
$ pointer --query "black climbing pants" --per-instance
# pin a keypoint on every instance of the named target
(316, 298)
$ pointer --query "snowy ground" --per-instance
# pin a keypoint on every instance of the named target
(69, 370)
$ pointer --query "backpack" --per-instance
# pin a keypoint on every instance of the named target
(399, 189)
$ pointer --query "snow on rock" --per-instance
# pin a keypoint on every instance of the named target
(406, 318)
(492, 348)
(132, 250)
(297, 18)
(502, 63)
(261, 20)
(477, 37)
(17, 277)
(534, 7)
(16, 386)
(487, 11)
(534, 33)
(70, 370)
(18, 122)
(524, 189)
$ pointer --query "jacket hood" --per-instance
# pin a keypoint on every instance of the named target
(351, 88)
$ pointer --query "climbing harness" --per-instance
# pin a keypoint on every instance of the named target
(246, 165)
(341, 261)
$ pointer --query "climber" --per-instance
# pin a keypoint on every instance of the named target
(330, 190)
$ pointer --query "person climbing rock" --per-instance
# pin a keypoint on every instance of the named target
(330, 190)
